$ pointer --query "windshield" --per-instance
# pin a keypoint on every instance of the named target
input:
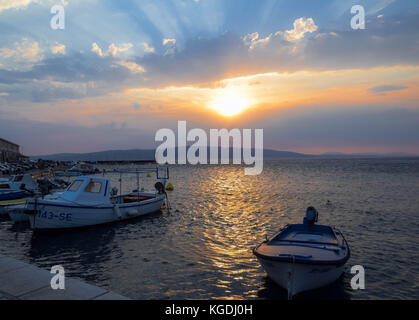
(75, 185)
(93, 187)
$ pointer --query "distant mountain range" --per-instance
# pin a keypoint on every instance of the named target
(148, 154)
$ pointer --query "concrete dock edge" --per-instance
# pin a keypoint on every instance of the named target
(22, 281)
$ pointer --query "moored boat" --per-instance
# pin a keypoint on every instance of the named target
(17, 187)
(6, 204)
(90, 201)
(12, 195)
(303, 257)
(16, 210)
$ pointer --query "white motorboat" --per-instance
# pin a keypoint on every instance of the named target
(17, 212)
(88, 201)
(303, 257)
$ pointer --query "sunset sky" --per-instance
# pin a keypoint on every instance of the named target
(121, 70)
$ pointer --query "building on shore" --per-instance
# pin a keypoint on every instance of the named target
(9, 151)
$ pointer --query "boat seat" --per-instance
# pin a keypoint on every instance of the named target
(301, 234)
(135, 198)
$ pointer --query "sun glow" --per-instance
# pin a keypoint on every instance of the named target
(229, 102)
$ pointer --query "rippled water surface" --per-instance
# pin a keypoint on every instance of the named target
(202, 248)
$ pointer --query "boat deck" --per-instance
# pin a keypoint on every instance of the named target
(306, 244)
(316, 234)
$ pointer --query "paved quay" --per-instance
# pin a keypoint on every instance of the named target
(22, 281)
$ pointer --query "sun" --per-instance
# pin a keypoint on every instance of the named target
(230, 102)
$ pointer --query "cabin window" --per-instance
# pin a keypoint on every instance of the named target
(4, 186)
(18, 178)
(93, 187)
(75, 185)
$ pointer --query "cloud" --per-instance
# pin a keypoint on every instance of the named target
(24, 51)
(359, 129)
(386, 88)
(113, 50)
(200, 60)
(15, 4)
(132, 66)
(388, 42)
(168, 41)
(36, 137)
(252, 40)
(23, 4)
(301, 27)
(58, 48)
(96, 49)
(148, 48)
(75, 70)
(171, 46)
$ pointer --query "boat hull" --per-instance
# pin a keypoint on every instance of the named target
(5, 205)
(298, 277)
(51, 216)
(17, 213)
(12, 195)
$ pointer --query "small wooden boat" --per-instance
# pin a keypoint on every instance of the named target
(304, 256)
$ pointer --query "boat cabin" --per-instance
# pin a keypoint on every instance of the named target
(4, 186)
(96, 191)
(88, 190)
(17, 181)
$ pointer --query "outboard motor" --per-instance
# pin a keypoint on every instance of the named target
(311, 216)
(160, 187)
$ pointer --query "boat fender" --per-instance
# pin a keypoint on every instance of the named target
(117, 211)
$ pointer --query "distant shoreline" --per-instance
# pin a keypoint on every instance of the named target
(147, 155)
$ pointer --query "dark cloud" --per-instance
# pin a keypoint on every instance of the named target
(372, 126)
(344, 127)
(37, 138)
(385, 42)
(74, 71)
(386, 88)
(201, 60)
